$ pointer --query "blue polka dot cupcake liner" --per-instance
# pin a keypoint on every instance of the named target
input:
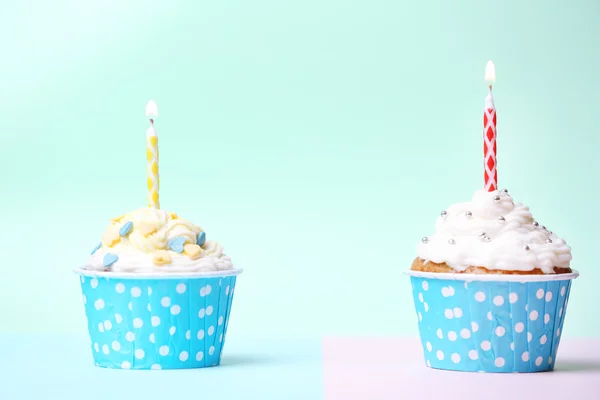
(157, 322)
(490, 323)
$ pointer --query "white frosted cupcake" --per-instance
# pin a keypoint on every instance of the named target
(490, 288)
(492, 234)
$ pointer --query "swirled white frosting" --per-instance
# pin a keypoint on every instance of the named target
(495, 233)
(152, 230)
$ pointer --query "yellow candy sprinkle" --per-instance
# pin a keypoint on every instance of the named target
(111, 236)
(117, 219)
(193, 251)
(161, 257)
(173, 215)
(144, 228)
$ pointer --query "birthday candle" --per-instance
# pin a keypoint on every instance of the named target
(490, 174)
(152, 156)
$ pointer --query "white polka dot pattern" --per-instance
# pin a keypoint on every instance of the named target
(155, 326)
(490, 326)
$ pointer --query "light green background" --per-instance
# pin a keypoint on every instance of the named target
(316, 140)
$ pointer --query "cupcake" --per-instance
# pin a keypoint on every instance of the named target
(491, 287)
(157, 293)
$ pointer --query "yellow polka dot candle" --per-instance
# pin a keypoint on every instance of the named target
(152, 157)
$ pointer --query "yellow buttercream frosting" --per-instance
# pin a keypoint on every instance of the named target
(146, 244)
(153, 229)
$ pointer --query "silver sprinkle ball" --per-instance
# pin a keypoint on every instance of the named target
(536, 224)
(482, 234)
(548, 240)
(496, 199)
(443, 213)
(468, 214)
(526, 247)
(504, 190)
(544, 228)
(501, 218)
(425, 239)
(452, 241)
(487, 239)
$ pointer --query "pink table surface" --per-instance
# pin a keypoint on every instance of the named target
(393, 368)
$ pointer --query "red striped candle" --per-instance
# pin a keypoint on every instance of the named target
(490, 174)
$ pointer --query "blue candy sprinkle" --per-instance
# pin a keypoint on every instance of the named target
(201, 239)
(109, 259)
(125, 228)
(177, 244)
(96, 248)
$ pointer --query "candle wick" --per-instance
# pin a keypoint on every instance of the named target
(490, 86)
(152, 119)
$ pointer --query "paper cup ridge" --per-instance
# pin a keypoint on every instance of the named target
(490, 326)
(157, 323)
